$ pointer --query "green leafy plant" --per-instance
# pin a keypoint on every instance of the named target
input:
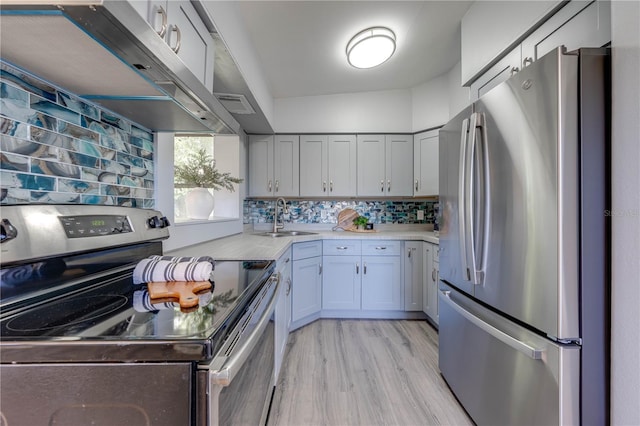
(360, 221)
(200, 171)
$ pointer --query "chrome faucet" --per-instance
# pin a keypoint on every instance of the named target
(277, 226)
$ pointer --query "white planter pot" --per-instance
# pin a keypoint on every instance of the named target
(199, 203)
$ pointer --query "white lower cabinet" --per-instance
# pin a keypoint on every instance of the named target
(413, 276)
(430, 274)
(381, 286)
(341, 282)
(283, 310)
(307, 280)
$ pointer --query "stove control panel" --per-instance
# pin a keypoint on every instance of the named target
(95, 225)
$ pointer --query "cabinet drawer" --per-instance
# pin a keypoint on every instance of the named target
(341, 247)
(436, 253)
(381, 248)
(307, 249)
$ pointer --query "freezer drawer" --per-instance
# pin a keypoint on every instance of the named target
(502, 373)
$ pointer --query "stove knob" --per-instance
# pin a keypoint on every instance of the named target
(7, 231)
(165, 222)
(154, 222)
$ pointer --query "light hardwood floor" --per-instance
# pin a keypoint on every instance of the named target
(364, 372)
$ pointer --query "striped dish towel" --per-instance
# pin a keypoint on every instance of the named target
(157, 270)
(183, 258)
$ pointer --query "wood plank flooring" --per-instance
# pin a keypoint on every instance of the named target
(364, 372)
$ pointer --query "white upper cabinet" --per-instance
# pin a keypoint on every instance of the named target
(385, 165)
(274, 166)
(482, 44)
(180, 26)
(327, 165)
(425, 163)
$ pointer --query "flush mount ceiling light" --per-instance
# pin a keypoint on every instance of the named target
(371, 47)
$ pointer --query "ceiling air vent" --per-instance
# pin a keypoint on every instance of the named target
(235, 104)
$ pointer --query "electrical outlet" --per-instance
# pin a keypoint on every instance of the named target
(420, 215)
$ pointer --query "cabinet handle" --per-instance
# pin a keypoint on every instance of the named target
(342, 248)
(331, 185)
(409, 253)
(388, 186)
(381, 186)
(514, 70)
(527, 61)
(319, 268)
(288, 286)
(433, 275)
(176, 30)
(381, 248)
(163, 28)
(416, 184)
(364, 268)
(269, 186)
(357, 268)
(277, 185)
(324, 186)
(288, 259)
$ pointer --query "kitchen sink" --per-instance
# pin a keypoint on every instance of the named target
(285, 234)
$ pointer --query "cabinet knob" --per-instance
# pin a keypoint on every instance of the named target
(527, 61)
(514, 70)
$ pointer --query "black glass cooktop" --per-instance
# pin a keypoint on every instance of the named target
(116, 312)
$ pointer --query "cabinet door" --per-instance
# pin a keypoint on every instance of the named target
(413, 274)
(197, 49)
(313, 166)
(261, 166)
(371, 165)
(307, 287)
(578, 24)
(425, 163)
(498, 73)
(381, 283)
(426, 278)
(399, 165)
(341, 282)
(342, 165)
(286, 170)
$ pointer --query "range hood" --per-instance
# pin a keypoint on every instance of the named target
(105, 52)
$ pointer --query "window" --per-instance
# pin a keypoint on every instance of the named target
(226, 203)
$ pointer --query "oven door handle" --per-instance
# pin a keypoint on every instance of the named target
(232, 365)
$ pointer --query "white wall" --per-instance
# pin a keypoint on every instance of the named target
(625, 383)
(430, 103)
(382, 111)
(458, 95)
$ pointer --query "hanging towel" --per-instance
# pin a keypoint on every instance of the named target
(177, 259)
(156, 270)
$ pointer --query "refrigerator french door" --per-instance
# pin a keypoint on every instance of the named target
(523, 259)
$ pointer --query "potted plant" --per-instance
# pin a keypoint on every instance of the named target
(360, 222)
(199, 172)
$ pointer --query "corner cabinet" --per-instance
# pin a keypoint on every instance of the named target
(306, 277)
(385, 165)
(425, 163)
(274, 165)
(327, 165)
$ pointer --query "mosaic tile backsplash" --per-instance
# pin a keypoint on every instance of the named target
(57, 148)
(378, 212)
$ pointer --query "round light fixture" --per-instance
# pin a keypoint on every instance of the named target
(371, 47)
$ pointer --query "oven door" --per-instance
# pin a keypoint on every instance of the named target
(236, 387)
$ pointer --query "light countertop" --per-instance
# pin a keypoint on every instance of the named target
(249, 246)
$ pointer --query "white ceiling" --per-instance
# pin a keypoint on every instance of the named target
(301, 44)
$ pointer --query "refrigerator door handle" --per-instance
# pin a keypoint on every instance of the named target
(477, 196)
(462, 199)
(530, 351)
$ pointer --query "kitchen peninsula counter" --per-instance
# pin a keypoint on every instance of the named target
(249, 246)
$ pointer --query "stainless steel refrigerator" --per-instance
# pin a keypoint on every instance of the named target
(524, 300)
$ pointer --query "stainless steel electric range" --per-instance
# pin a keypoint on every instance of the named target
(81, 344)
